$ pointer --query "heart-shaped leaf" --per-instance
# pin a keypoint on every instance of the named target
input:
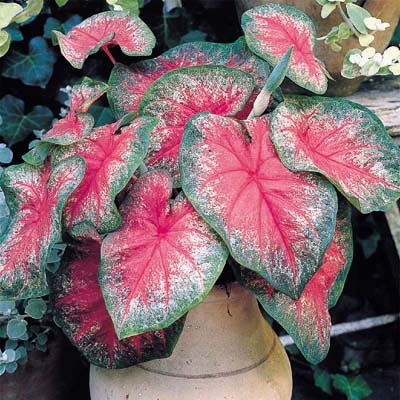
(33, 69)
(81, 313)
(275, 222)
(343, 141)
(110, 159)
(307, 319)
(161, 262)
(16, 125)
(128, 84)
(103, 29)
(35, 196)
(180, 94)
(271, 29)
(78, 122)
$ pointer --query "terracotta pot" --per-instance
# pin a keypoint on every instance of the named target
(226, 351)
(387, 11)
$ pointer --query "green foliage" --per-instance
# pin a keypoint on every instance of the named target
(25, 325)
(34, 68)
(16, 125)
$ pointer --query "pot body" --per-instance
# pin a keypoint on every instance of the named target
(387, 11)
(226, 351)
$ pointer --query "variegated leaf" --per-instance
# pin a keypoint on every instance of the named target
(111, 159)
(35, 196)
(345, 142)
(307, 319)
(275, 222)
(180, 94)
(78, 122)
(161, 262)
(271, 29)
(128, 84)
(103, 29)
(80, 311)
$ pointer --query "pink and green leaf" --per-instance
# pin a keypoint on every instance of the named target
(345, 142)
(180, 94)
(35, 196)
(128, 84)
(101, 30)
(78, 122)
(111, 158)
(80, 311)
(161, 262)
(307, 319)
(271, 29)
(274, 222)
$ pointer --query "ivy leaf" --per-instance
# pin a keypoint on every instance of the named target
(33, 8)
(275, 222)
(16, 125)
(80, 311)
(34, 68)
(345, 142)
(35, 196)
(7, 12)
(354, 388)
(161, 262)
(5, 41)
(53, 24)
(103, 29)
(111, 159)
(322, 380)
(271, 29)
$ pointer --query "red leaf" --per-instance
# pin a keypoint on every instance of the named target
(81, 312)
(35, 196)
(275, 222)
(128, 84)
(270, 31)
(343, 141)
(111, 159)
(161, 262)
(103, 29)
(307, 319)
(78, 123)
(179, 95)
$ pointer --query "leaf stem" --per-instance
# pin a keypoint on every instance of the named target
(107, 51)
(347, 20)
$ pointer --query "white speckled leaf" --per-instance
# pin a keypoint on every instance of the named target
(80, 311)
(161, 262)
(102, 29)
(307, 319)
(271, 29)
(180, 94)
(345, 142)
(275, 222)
(128, 84)
(111, 159)
(35, 196)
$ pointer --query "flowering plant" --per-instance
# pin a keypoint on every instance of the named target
(207, 168)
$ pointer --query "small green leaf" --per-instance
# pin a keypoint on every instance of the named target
(36, 308)
(16, 328)
(7, 12)
(6, 154)
(16, 125)
(41, 347)
(33, 8)
(11, 344)
(327, 9)
(5, 41)
(61, 3)
(354, 389)
(2, 369)
(279, 72)
(322, 380)
(357, 15)
(9, 355)
(21, 354)
(3, 331)
(11, 367)
(33, 69)
(42, 339)
(6, 307)
(38, 154)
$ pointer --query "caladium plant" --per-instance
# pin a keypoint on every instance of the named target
(207, 168)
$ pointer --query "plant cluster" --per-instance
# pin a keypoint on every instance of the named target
(205, 167)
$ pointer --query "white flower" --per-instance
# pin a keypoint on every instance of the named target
(395, 69)
(390, 56)
(375, 24)
(365, 39)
